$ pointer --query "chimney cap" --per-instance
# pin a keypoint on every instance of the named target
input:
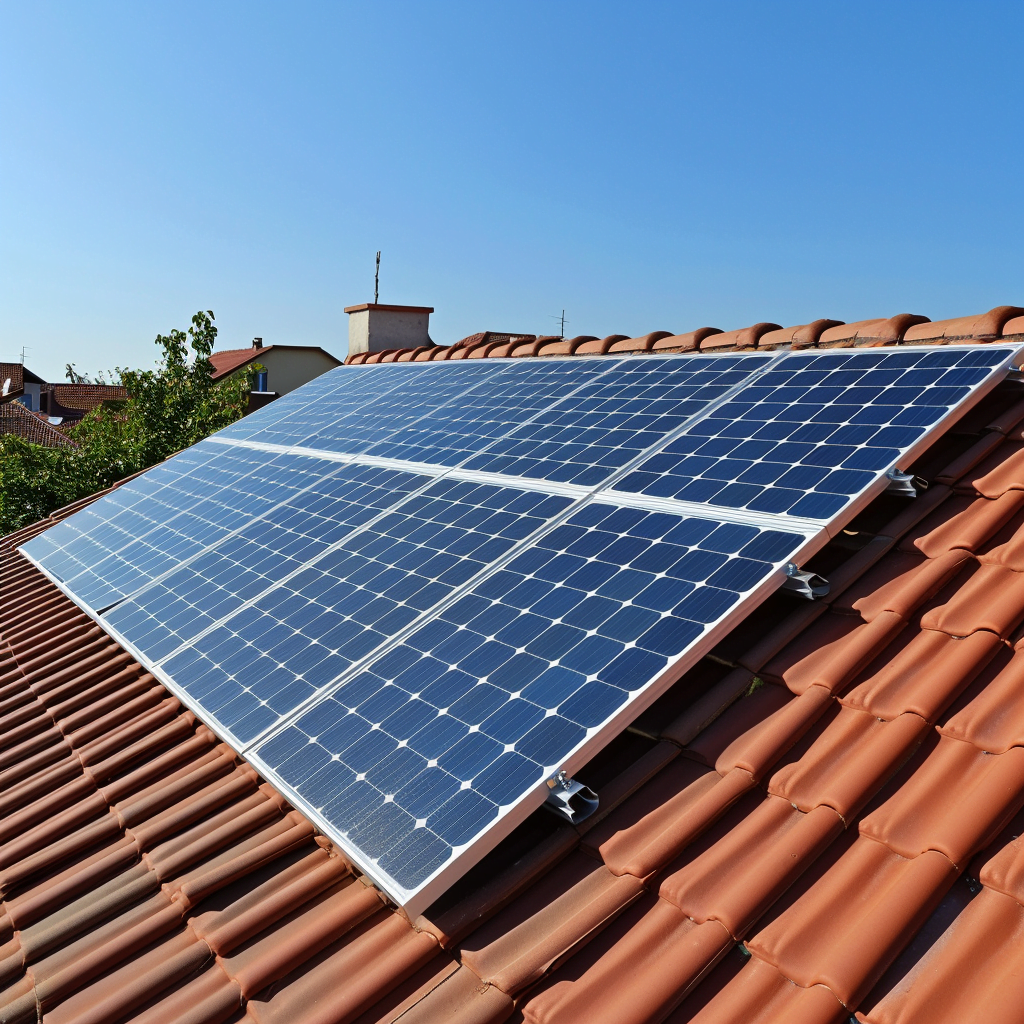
(391, 309)
(257, 343)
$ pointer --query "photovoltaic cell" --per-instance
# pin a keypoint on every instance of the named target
(268, 658)
(412, 757)
(815, 430)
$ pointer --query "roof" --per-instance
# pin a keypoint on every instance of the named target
(822, 818)
(231, 359)
(84, 397)
(1001, 322)
(19, 374)
(365, 306)
(15, 373)
(16, 419)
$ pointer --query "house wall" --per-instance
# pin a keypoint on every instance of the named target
(288, 369)
(31, 400)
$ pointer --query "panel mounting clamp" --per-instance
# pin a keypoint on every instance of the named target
(808, 585)
(570, 799)
(906, 485)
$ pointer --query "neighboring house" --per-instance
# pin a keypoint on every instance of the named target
(54, 405)
(288, 366)
(822, 821)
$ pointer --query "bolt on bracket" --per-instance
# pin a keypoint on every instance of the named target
(808, 585)
(570, 799)
(906, 485)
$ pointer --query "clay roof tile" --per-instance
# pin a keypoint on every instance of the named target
(746, 337)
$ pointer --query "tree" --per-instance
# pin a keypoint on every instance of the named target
(167, 409)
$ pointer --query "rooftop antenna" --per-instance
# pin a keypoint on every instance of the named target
(23, 350)
(376, 279)
(561, 323)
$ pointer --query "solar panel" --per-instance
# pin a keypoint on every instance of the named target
(411, 759)
(574, 421)
(410, 593)
(130, 537)
(197, 594)
(267, 655)
(816, 430)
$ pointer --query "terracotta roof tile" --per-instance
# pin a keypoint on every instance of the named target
(15, 373)
(747, 337)
(83, 397)
(985, 327)
(819, 793)
(870, 332)
(754, 992)
(16, 420)
(973, 974)
(804, 336)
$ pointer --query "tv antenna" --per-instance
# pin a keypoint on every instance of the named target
(561, 323)
(376, 279)
(24, 349)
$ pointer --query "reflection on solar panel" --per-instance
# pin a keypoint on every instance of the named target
(411, 593)
(815, 430)
(414, 756)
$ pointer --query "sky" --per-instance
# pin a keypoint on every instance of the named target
(645, 166)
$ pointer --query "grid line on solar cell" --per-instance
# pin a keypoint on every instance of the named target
(416, 754)
(266, 659)
(189, 600)
(815, 430)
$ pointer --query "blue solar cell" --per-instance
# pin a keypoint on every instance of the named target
(496, 690)
(814, 431)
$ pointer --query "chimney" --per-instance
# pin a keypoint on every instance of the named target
(374, 327)
(257, 343)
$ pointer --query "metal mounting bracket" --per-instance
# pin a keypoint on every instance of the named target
(906, 485)
(570, 799)
(808, 585)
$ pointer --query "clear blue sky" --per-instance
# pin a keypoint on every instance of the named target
(645, 165)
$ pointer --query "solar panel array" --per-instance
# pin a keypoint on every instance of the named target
(411, 593)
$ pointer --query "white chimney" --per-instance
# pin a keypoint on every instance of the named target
(374, 327)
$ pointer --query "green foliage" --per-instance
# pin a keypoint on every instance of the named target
(169, 408)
